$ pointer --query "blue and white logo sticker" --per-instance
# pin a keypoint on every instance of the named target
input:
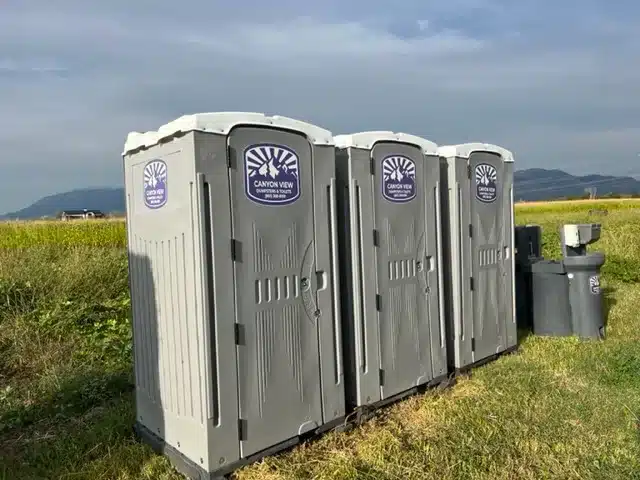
(398, 178)
(155, 184)
(594, 284)
(486, 183)
(272, 174)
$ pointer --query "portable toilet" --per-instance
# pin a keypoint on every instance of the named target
(391, 276)
(232, 239)
(480, 269)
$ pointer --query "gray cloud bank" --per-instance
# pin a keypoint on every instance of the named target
(75, 78)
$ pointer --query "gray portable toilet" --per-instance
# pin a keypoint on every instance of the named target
(392, 298)
(234, 285)
(480, 268)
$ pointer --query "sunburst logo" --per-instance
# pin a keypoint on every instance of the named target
(272, 174)
(486, 183)
(155, 184)
(594, 284)
(398, 178)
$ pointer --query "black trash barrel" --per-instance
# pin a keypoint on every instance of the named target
(550, 305)
(585, 294)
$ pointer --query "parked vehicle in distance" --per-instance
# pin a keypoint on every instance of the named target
(80, 214)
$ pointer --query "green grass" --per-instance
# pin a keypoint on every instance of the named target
(559, 409)
(93, 233)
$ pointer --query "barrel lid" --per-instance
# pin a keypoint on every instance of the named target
(590, 260)
(524, 262)
(547, 266)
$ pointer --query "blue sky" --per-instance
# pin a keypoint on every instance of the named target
(557, 82)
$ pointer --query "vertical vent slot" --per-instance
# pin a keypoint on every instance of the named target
(208, 268)
(461, 270)
(333, 254)
(359, 232)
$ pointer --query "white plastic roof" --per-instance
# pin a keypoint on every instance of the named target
(367, 140)
(464, 150)
(222, 123)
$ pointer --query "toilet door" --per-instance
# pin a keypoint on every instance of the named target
(402, 265)
(491, 294)
(275, 283)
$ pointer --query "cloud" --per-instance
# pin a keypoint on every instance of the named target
(305, 40)
(555, 84)
(8, 66)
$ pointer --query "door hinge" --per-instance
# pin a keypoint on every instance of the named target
(372, 166)
(235, 250)
(473, 344)
(471, 283)
(242, 429)
(230, 162)
(470, 230)
(378, 303)
(238, 331)
(381, 375)
(376, 238)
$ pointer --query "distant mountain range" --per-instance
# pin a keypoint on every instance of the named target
(539, 184)
(108, 200)
(530, 185)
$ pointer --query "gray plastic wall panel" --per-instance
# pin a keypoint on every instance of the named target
(328, 297)
(459, 258)
(435, 242)
(446, 206)
(511, 326)
(214, 220)
(172, 362)
(346, 267)
(361, 334)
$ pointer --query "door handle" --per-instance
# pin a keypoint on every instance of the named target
(307, 284)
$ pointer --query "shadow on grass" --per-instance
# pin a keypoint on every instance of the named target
(81, 427)
(608, 302)
(73, 398)
(523, 334)
(6, 369)
(618, 366)
(87, 417)
(622, 269)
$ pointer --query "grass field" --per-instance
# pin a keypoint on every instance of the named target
(559, 409)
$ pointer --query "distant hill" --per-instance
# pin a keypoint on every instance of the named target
(536, 184)
(533, 184)
(108, 200)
